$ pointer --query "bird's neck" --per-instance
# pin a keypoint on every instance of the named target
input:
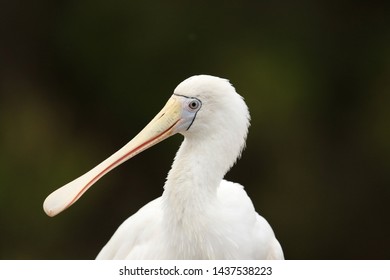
(193, 180)
(196, 173)
(190, 202)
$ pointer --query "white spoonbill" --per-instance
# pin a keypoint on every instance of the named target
(199, 215)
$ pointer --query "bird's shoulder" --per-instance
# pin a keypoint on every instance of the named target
(242, 214)
(235, 205)
(234, 195)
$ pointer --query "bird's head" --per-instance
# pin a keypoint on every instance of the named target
(201, 107)
(219, 109)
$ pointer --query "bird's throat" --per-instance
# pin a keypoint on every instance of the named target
(192, 183)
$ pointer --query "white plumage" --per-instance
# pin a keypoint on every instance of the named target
(199, 215)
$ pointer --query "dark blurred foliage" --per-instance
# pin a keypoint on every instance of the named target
(78, 79)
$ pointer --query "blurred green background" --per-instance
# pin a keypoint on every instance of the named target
(78, 79)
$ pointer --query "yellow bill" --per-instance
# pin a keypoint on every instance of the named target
(164, 124)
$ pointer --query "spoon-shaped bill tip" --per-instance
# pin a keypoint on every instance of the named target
(160, 128)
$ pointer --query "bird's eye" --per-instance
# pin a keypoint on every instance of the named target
(194, 104)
